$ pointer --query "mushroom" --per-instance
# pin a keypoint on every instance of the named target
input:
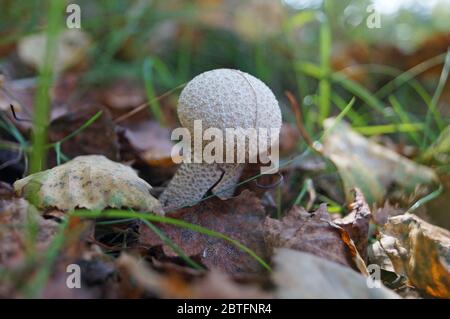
(222, 99)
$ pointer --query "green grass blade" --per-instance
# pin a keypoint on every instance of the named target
(77, 131)
(404, 117)
(34, 287)
(166, 240)
(155, 107)
(433, 110)
(42, 103)
(324, 82)
(113, 213)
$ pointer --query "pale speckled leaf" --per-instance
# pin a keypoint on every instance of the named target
(92, 182)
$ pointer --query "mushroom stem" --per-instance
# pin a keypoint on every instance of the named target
(193, 180)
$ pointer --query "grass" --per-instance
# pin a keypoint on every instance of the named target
(114, 213)
(155, 107)
(166, 240)
(45, 79)
(35, 286)
(437, 94)
(325, 61)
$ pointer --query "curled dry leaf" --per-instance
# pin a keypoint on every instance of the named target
(369, 166)
(92, 182)
(72, 49)
(356, 223)
(303, 275)
(312, 233)
(240, 218)
(420, 251)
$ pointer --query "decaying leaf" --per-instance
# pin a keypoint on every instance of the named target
(240, 218)
(369, 166)
(302, 275)
(420, 251)
(20, 222)
(307, 232)
(14, 215)
(214, 284)
(88, 141)
(152, 142)
(92, 182)
(382, 213)
(356, 223)
(378, 256)
(72, 48)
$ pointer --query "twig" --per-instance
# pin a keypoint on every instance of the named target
(144, 105)
(298, 118)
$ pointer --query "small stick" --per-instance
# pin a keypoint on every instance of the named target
(298, 118)
(144, 105)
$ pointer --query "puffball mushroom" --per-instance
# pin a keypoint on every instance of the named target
(221, 99)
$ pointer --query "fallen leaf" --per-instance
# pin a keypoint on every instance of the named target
(152, 142)
(312, 233)
(214, 284)
(378, 256)
(123, 95)
(372, 168)
(356, 223)
(88, 141)
(72, 48)
(240, 218)
(13, 217)
(92, 182)
(303, 275)
(420, 251)
(381, 214)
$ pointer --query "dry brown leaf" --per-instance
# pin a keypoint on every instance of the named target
(152, 142)
(88, 141)
(312, 233)
(214, 284)
(356, 223)
(382, 213)
(420, 251)
(122, 96)
(302, 275)
(13, 218)
(240, 218)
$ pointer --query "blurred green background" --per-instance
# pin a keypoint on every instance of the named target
(391, 56)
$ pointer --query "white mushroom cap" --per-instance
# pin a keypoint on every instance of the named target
(222, 98)
(227, 98)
